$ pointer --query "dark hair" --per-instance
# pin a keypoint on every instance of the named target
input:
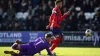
(58, 1)
(48, 35)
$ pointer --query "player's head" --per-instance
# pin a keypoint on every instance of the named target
(58, 3)
(48, 36)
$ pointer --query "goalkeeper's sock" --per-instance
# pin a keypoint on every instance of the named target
(8, 52)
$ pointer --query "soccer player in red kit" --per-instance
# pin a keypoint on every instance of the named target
(54, 24)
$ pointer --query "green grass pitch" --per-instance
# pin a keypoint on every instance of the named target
(65, 51)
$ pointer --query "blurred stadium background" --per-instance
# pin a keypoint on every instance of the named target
(23, 15)
(27, 19)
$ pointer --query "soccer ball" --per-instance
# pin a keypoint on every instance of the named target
(88, 32)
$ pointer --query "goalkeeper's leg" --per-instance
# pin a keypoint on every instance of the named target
(12, 53)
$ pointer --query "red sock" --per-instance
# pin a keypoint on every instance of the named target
(53, 46)
(54, 42)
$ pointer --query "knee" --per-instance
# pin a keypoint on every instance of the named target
(61, 38)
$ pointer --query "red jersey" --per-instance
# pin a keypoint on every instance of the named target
(56, 18)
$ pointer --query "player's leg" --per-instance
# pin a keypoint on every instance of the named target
(20, 47)
(15, 46)
(24, 49)
(57, 33)
(12, 53)
(55, 42)
(27, 49)
(17, 54)
(58, 38)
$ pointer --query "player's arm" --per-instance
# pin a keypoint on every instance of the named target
(17, 53)
(23, 53)
(67, 13)
(49, 52)
(52, 18)
(48, 26)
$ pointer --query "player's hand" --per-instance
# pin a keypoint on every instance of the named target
(68, 13)
(71, 8)
(47, 27)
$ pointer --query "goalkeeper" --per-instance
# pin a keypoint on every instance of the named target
(31, 48)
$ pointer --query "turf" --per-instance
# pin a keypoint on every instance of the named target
(65, 51)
